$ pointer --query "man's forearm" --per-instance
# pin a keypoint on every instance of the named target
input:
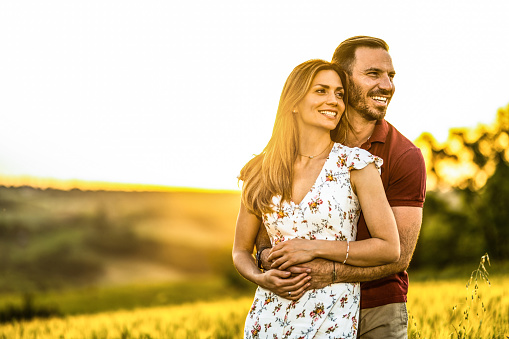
(324, 272)
(347, 273)
(263, 242)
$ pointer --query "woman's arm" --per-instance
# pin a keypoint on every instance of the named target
(276, 281)
(382, 248)
(243, 245)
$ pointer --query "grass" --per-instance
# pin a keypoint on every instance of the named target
(446, 309)
(442, 309)
(219, 319)
(127, 297)
(456, 308)
(430, 308)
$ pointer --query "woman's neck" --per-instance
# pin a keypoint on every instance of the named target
(312, 145)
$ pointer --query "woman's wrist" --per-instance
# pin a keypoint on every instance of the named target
(260, 279)
(320, 249)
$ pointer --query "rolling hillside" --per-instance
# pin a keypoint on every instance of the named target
(52, 238)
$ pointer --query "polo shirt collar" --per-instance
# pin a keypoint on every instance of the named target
(380, 131)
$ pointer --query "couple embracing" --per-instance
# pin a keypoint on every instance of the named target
(333, 205)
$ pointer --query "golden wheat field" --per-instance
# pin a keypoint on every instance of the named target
(445, 309)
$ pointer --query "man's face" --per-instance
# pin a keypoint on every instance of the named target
(371, 82)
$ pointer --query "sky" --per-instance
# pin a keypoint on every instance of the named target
(183, 93)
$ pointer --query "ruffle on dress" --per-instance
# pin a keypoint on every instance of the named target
(360, 158)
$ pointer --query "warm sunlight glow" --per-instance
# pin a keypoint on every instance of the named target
(44, 183)
(184, 93)
(502, 142)
(454, 172)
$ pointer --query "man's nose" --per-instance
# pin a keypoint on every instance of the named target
(386, 83)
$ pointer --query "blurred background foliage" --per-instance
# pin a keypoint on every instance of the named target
(466, 211)
(131, 249)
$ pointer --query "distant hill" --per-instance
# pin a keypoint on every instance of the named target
(53, 238)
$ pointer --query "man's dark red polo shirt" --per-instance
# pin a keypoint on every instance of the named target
(404, 180)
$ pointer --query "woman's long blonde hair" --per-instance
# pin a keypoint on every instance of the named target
(270, 173)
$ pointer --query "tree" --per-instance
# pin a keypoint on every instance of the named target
(468, 191)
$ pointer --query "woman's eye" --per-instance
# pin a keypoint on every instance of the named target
(320, 91)
(340, 95)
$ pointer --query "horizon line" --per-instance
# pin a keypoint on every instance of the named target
(97, 185)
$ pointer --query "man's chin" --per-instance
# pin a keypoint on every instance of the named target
(374, 115)
(369, 113)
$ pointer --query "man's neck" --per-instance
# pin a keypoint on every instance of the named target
(361, 129)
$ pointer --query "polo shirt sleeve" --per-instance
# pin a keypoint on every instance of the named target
(407, 185)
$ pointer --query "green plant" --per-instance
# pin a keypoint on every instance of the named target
(27, 311)
(474, 309)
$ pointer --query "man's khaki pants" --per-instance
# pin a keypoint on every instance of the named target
(383, 322)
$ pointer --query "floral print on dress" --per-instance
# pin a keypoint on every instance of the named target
(314, 204)
(256, 330)
(317, 312)
(329, 176)
(329, 211)
(281, 213)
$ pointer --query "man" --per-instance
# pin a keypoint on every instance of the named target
(384, 288)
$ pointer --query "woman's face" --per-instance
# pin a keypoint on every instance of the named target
(322, 106)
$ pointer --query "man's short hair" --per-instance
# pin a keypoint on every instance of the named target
(344, 55)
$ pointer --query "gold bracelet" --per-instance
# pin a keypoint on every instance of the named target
(347, 250)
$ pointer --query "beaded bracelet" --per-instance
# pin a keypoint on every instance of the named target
(347, 250)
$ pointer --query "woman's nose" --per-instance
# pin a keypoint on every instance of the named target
(332, 99)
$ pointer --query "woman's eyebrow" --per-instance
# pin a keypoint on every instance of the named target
(327, 86)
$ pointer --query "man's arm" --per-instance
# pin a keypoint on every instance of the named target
(408, 220)
(262, 239)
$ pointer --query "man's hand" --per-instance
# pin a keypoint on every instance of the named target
(320, 271)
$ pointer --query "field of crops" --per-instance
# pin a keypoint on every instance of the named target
(442, 309)
(154, 265)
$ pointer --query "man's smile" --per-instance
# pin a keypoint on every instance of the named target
(381, 100)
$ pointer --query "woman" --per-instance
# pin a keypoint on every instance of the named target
(307, 191)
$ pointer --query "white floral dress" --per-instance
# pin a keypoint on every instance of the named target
(329, 211)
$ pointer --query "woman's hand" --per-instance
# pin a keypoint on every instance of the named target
(292, 252)
(285, 286)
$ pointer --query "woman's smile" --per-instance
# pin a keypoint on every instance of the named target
(329, 113)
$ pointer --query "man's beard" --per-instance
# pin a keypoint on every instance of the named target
(359, 103)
